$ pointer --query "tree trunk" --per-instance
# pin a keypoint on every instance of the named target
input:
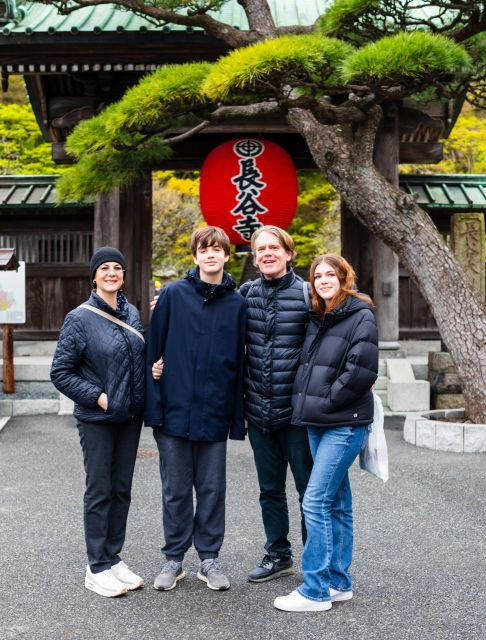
(346, 161)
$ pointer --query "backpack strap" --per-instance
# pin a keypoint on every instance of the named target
(250, 288)
(120, 323)
(306, 292)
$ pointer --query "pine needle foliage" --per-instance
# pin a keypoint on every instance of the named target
(113, 147)
(104, 170)
(404, 57)
(293, 57)
(155, 101)
(342, 14)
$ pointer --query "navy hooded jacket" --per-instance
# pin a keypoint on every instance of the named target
(94, 356)
(199, 331)
(338, 366)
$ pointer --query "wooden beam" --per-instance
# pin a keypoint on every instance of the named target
(421, 152)
(189, 155)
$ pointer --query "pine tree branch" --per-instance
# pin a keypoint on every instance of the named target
(230, 35)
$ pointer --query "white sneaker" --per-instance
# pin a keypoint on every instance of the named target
(296, 602)
(104, 583)
(123, 574)
(340, 596)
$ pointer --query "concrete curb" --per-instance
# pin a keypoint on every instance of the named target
(424, 431)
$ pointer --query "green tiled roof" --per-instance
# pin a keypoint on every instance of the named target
(457, 192)
(26, 192)
(34, 18)
(454, 192)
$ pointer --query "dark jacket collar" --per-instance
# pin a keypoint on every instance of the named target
(210, 291)
(121, 310)
(280, 283)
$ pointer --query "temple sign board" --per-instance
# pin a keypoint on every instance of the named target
(12, 309)
(12, 296)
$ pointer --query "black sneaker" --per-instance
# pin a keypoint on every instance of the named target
(271, 567)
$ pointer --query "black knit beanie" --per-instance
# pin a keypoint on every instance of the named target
(105, 254)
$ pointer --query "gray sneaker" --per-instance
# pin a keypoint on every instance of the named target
(210, 573)
(171, 573)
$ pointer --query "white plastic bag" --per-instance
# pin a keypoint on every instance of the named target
(374, 456)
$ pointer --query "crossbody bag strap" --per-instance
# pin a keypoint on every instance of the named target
(120, 323)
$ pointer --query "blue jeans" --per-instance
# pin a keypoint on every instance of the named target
(328, 511)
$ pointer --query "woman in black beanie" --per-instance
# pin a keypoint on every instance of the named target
(99, 364)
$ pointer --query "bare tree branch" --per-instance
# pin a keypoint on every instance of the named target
(187, 134)
(246, 111)
(230, 35)
(295, 29)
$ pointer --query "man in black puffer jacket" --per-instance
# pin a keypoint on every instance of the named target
(277, 317)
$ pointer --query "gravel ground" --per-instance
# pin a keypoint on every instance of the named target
(419, 569)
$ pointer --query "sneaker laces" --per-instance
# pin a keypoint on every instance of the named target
(268, 562)
(210, 565)
(171, 566)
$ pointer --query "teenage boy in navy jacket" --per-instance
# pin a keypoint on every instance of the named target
(198, 330)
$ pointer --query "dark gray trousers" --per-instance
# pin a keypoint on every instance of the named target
(109, 452)
(185, 464)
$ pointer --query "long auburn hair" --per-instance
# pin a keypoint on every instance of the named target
(347, 280)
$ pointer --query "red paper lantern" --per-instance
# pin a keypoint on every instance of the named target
(245, 184)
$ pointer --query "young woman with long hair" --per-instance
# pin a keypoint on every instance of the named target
(332, 398)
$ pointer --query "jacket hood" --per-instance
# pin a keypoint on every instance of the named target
(207, 290)
(347, 308)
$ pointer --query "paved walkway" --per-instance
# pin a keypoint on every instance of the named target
(419, 570)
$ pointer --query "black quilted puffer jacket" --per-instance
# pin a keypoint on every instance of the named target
(339, 364)
(94, 355)
(277, 318)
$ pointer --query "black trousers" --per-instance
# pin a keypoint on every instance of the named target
(273, 453)
(185, 464)
(109, 452)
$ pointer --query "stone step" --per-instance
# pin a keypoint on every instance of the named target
(29, 407)
(381, 367)
(32, 348)
(420, 366)
(405, 393)
(383, 395)
(381, 383)
(32, 367)
(31, 389)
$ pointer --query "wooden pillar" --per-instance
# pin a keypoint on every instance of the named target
(375, 264)
(356, 246)
(8, 360)
(384, 261)
(123, 219)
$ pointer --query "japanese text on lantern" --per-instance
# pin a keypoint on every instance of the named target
(249, 185)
